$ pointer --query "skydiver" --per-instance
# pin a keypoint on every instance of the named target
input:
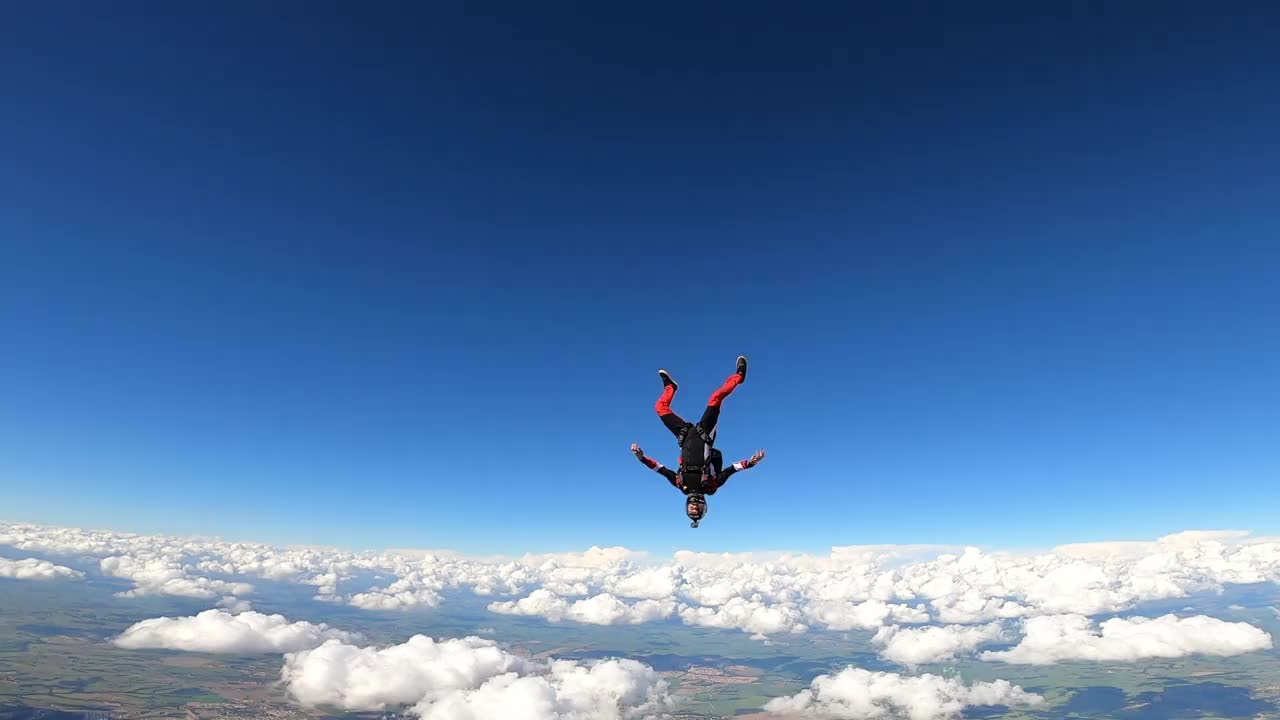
(697, 470)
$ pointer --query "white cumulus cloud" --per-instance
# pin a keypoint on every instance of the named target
(751, 616)
(857, 694)
(469, 678)
(219, 631)
(868, 614)
(33, 569)
(414, 590)
(165, 576)
(605, 609)
(539, 603)
(602, 609)
(235, 605)
(608, 690)
(655, 583)
(1053, 638)
(918, 646)
(367, 678)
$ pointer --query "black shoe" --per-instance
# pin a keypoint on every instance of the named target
(742, 367)
(667, 379)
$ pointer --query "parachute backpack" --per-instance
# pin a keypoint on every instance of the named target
(695, 451)
(695, 441)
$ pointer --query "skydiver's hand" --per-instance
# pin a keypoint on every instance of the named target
(635, 450)
(755, 459)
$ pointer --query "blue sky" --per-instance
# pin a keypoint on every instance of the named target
(404, 276)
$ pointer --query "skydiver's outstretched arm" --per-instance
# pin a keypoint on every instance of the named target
(655, 466)
(739, 466)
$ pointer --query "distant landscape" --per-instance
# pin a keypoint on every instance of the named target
(58, 660)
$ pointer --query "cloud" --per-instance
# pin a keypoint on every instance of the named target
(655, 583)
(33, 569)
(749, 615)
(163, 565)
(539, 603)
(855, 694)
(366, 678)
(1054, 638)
(468, 678)
(608, 690)
(602, 609)
(867, 615)
(605, 609)
(235, 605)
(414, 590)
(165, 576)
(919, 646)
(761, 593)
(219, 631)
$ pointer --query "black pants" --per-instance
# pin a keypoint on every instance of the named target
(710, 422)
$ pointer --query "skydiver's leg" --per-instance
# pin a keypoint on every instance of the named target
(711, 416)
(674, 422)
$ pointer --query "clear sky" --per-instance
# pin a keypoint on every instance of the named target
(403, 274)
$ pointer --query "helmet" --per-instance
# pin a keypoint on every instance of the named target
(695, 507)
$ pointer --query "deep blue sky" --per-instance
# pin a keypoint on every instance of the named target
(402, 275)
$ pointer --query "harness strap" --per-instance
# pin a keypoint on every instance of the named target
(702, 433)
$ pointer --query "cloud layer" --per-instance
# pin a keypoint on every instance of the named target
(855, 694)
(1055, 638)
(918, 605)
(968, 596)
(219, 631)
